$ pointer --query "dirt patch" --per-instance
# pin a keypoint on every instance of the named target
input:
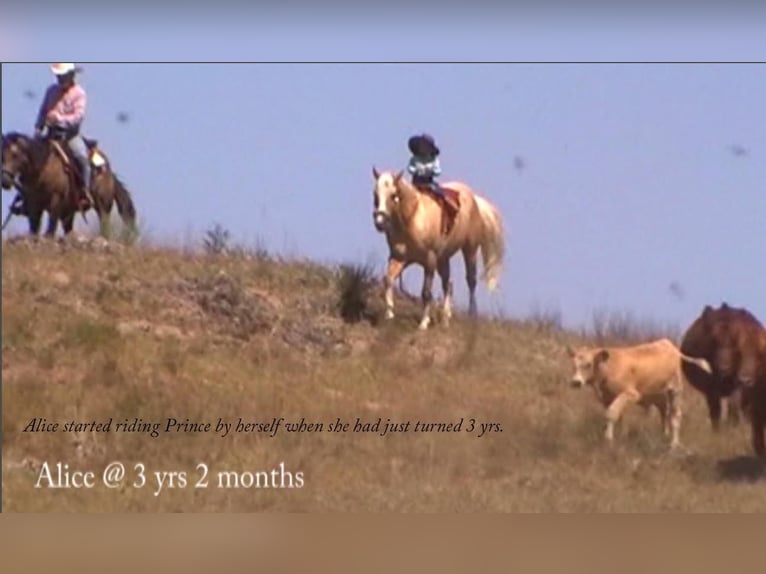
(235, 310)
(143, 326)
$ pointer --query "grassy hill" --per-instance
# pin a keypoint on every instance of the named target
(94, 332)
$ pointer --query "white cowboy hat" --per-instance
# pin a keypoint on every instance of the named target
(62, 69)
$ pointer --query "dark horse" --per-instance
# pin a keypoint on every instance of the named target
(48, 177)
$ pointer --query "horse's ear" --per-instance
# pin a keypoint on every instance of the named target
(398, 176)
(375, 173)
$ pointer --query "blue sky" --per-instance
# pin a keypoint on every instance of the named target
(629, 184)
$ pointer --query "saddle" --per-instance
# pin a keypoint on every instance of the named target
(72, 166)
(450, 204)
(97, 159)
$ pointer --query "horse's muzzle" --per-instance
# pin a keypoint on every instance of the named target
(381, 220)
(7, 181)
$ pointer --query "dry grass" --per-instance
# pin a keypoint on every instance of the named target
(155, 333)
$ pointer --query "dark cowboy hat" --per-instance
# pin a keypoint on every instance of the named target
(423, 145)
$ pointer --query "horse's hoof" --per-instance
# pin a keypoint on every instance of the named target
(423, 325)
(389, 315)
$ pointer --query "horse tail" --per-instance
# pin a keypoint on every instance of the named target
(125, 206)
(492, 242)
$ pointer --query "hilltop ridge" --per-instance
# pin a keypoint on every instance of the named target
(102, 331)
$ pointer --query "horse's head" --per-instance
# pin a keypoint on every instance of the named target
(16, 157)
(386, 197)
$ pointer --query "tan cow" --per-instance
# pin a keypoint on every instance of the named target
(648, 374)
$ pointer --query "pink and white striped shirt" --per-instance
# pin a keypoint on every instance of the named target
(68, 112)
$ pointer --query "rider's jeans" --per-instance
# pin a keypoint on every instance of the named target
(80, 150)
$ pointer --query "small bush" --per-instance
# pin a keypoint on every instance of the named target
(355, 284)
(223, 297)
(545, 319)
(216, 241)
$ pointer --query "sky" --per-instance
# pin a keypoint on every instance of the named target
(641, 186)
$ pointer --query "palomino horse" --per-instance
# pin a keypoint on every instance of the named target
(45, 180)
(412, 222)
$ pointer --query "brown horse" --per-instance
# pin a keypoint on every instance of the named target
(412, 222)
(47, 177)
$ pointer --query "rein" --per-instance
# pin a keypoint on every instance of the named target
(10, 213)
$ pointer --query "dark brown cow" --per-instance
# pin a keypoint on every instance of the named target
(755, 399)
(733, 341)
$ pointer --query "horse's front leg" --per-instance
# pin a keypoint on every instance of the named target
(429, 270)
(444, 273)
(35, 216)
(395, 268)
(55, 213)
(67, 223)
(50, 231)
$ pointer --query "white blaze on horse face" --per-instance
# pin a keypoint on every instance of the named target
(385, 189)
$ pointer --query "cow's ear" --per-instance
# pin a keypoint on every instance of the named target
(601, 357)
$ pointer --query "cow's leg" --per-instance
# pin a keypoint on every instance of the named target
(663, 407)
(758, 426)
(427, 294)
(758, 439)
(674, 415)
(395, 268)
(745, 375)
(614, 412)
(444, 273)
(734, 413)
(714, 408)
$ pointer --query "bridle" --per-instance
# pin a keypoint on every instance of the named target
(10, 177)
(23, 167)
